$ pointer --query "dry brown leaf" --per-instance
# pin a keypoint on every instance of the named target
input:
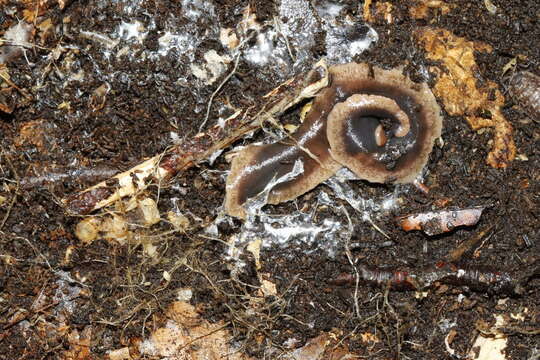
(46, 28)
(63, 3)
(30, 15)
(367, 11)
(368, 337)
(462, 95)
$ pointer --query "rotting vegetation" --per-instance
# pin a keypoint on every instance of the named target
(62, 298)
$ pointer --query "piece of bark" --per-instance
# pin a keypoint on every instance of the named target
(441, 221)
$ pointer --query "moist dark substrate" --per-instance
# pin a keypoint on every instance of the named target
(135, 123)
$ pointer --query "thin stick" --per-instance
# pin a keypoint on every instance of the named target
(214, 94)
(277, 23)
(10, 83)
(14, 198)
(351, 262)
(236, 61)
(458, 252)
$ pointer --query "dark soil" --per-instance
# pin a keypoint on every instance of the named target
(123, 290)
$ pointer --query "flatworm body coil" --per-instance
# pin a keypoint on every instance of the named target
(376, 122)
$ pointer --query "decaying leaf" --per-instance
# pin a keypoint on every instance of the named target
(63, 3)
(254, 247)
(420, 9)
(509, 65)
(462, 95)
(322, 347)
(99, 97)
(178, 220)
(268, 288)
(87, 230)
(46, 29)
(228, 38)
(79, 344)
(490, 347)
(120, 354)
(367, 11)
(38, 133)
(490, 7)
(7, 103)
(35, 9)
(381, 10)
(188, 336)
(368, 338)
(115, 228)
(112, 228)
(438, 222)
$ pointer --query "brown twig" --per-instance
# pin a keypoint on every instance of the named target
(458, 252)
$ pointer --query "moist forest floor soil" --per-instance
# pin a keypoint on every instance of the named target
(121, 290)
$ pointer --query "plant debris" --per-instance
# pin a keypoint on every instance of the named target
(98, 88)
(186, 335)
(458, 74)
(442, 221)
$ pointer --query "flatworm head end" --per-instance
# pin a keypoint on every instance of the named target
(384, 126)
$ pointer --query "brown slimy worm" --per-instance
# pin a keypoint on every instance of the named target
(376, 122)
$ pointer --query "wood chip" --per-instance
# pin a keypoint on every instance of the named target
(439, 222)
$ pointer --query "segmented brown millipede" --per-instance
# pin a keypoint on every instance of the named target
(524, 87)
